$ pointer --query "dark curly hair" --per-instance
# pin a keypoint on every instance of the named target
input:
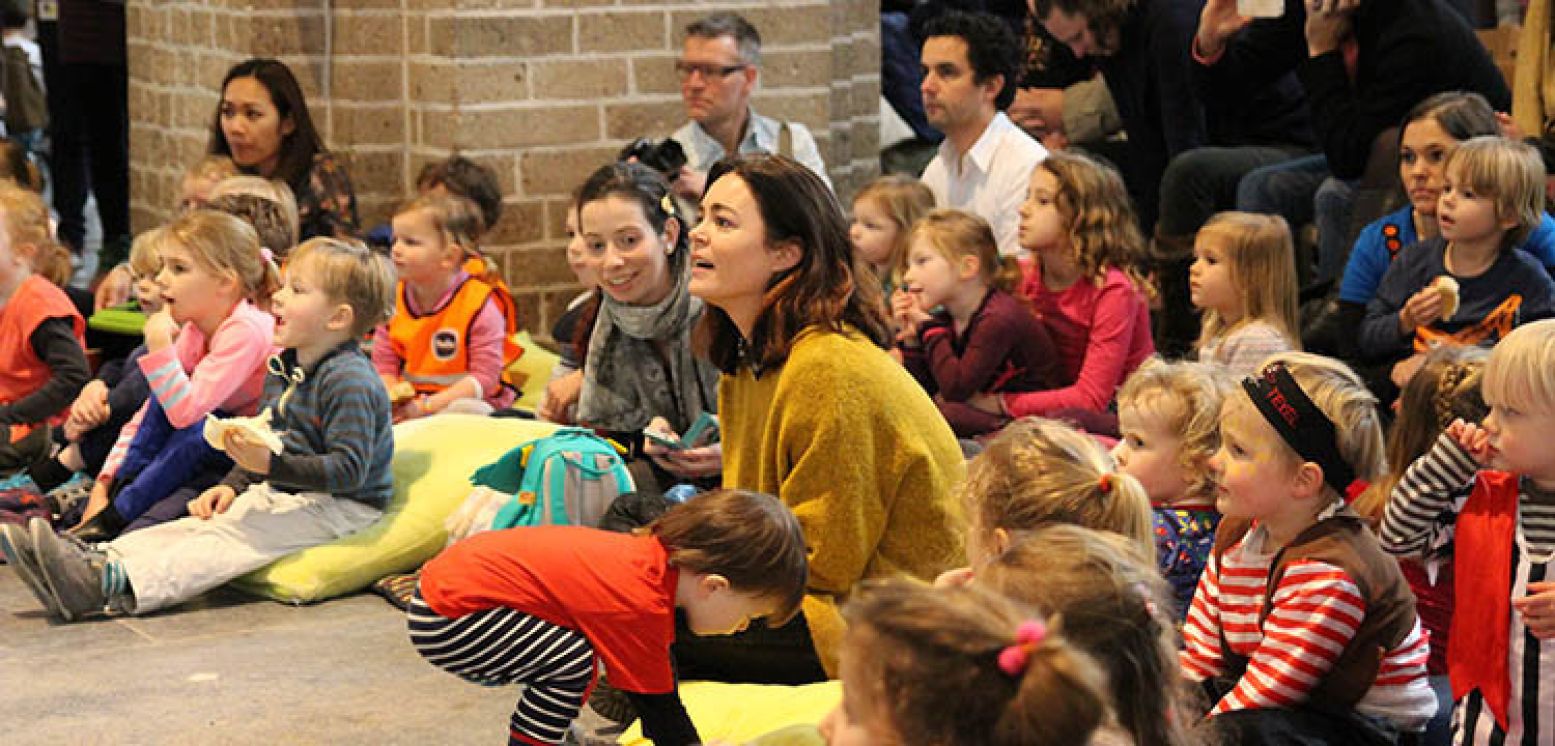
(991, 48)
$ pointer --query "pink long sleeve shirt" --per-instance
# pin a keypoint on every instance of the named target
(199, 375)
(1101, 334)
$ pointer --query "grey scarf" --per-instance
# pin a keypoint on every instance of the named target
(640, 364)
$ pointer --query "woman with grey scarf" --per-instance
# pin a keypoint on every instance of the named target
(639, 365)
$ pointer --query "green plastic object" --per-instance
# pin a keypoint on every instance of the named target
(127, 319)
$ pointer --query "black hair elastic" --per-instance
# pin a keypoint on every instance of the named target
(1301, 424)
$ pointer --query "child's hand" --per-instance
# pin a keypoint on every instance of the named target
(987, 402)
(91, 407)
(1473, 439)
(412, 409)
(212, 501)
(160, 331)
(957, 578)
(1422, 308)
(248, 452)
(1538, 609)
(908, 313)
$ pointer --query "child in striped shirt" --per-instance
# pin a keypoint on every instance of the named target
(1301, 624)
(1485, 494)
(331, 477)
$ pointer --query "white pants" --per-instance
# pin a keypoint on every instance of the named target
(176, 561)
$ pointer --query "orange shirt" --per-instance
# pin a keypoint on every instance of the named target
(616, 589)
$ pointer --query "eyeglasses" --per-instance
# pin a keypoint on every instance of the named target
(686, 69)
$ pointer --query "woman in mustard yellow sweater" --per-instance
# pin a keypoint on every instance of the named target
(813, 408)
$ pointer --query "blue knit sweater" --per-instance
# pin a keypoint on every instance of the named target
(335, 426)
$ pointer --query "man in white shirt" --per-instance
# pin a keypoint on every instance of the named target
(719, 65)
(985, 163)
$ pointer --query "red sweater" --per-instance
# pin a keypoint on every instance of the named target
(1102, 333)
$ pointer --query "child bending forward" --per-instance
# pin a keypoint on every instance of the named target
(541, 606)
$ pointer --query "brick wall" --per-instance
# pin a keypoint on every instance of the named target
(543, 91)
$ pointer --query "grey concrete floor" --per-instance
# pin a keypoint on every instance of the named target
(231, 669)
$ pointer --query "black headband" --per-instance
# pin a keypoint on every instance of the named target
(1300, 423)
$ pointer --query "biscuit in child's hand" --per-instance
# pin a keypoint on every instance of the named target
(256, 428)
(1447, 287)
(401, 392)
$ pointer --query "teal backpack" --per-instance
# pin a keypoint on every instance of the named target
(567, 478)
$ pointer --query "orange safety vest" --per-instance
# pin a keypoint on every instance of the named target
(435, 345)
(486, 271)
(35, 301)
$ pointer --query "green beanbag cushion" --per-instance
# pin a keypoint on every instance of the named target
(533, 369)
(433, 461)
(764, 714)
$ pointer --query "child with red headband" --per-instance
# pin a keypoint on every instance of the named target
(1485, 495)
(957, 667)
(1301, 625)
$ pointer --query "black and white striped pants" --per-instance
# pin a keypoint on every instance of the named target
(500, 647)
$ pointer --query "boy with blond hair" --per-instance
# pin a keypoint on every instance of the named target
(1481, 498)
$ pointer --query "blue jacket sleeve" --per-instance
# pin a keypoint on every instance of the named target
(1368, 263)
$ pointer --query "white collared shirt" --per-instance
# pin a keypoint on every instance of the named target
(762, 135)
(990, 180)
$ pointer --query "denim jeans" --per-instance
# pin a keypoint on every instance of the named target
(1203, 181)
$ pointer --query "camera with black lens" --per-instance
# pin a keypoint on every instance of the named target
(664, 156)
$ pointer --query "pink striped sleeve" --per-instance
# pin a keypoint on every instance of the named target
(1317, 610)
(386, 359)
(121, 446)
(236, 352)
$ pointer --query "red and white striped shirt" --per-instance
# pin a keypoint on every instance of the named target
(1317, 612)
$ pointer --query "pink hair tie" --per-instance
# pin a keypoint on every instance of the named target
(267, 254)
(1013, 659)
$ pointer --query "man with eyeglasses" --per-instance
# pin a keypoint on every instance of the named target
(718, 68)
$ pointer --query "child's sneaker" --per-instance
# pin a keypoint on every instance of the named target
(73, 573)
(16, 542)
(68, 496)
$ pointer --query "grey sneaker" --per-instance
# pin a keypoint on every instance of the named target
(17, 545)
(74, 573)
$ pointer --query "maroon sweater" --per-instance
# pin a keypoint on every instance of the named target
(1005, 348)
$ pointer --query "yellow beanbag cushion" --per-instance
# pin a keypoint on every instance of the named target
(530, 372)
(433, 460)
(743, 713)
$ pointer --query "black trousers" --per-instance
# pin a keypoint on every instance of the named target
(89, 126)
